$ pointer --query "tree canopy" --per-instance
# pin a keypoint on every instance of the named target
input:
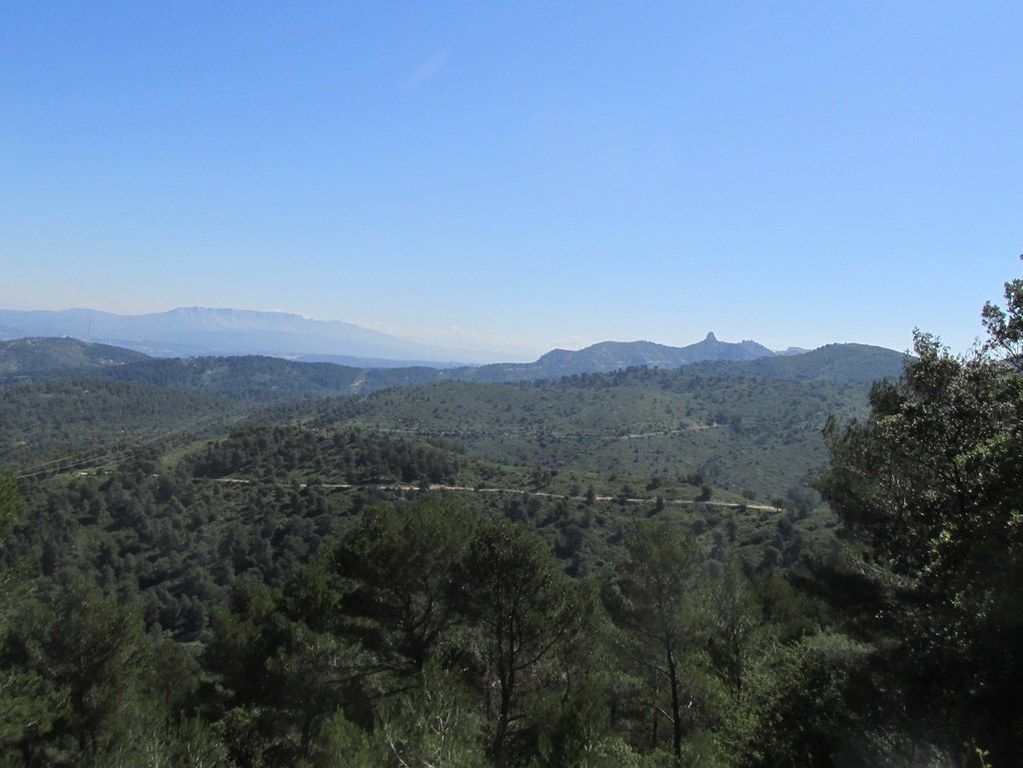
(931, 484)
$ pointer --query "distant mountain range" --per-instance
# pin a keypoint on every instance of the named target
(614, 355)
(198, 331)
(263, 378)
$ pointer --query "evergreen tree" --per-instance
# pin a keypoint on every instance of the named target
(655, 600)
(931, 483)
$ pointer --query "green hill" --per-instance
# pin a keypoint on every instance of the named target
(744, 434)
(25, 358)
(52, 424)
(272, 379)
(611, 356)
(840, 363)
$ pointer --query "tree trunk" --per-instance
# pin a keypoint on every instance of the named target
(676, 706)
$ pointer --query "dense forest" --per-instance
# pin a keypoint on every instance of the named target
(721, 567)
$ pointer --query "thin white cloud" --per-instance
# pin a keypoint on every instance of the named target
(428, 69)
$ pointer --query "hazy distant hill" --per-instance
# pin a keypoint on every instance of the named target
(34, 356)
(841, 363)
(195, 331)
(615, 355)
(202, 332)
(266, 379)
(255, 378)
(271, 379)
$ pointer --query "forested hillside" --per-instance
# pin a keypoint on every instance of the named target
(761, 436)
(727, 426)
(56, 423)
(273, 379)
(31, 357)
(618, 569)
(836, 363)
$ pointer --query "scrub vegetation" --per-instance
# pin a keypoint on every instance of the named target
(738, 564)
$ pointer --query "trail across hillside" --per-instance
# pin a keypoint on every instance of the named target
(517, 491)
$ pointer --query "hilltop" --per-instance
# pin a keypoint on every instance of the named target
(271, 379)
(615, 355)
(33, 356)
(204, 332)
(742, 424)
(849, 363)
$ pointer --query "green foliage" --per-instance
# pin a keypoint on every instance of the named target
(524, 612)
(931, 483)
(52, 425)
(436, 723)
(246, 377)
(34, 357)
(343, 456)
(441, 640)
(474, 574)
(400, 573)
(737, 432)
(655, 600)
(341, 742)
(83, 678)
(28, 709)
(836, 363)
(938, 450)
(580, 733)
(10, 501)
(800, 706)
(734, 625)
(1005, 326)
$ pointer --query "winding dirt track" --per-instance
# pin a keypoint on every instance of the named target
(519, 491)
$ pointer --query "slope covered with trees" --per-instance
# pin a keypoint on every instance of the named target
(837, 363)
(56, 424)
(31, 357)
(761, 436)
(382, 581)
(273, 379)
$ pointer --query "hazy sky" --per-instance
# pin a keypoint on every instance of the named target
(519, 175)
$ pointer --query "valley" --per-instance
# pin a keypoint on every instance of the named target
(250, 522)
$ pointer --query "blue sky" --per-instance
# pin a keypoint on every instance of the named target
(519, 176)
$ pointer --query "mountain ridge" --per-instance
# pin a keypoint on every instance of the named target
(266, 378)
(608, 356)
(199, 331)
(202, 331)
